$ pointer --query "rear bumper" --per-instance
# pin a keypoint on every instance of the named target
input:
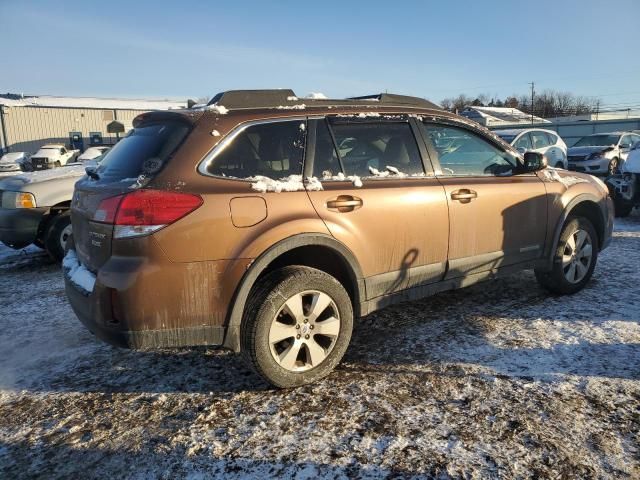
(133, 305)
(19, 226)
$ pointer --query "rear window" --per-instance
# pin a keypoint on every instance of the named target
(144, 151)
(272, 150)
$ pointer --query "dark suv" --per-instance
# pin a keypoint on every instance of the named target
(266, 223)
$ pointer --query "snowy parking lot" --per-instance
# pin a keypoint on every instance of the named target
(498, 380)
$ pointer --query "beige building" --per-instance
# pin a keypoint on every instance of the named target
(26, 123)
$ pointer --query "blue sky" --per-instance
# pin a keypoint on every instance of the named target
(433, 49)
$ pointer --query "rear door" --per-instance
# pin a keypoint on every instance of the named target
(132, 162)
(496, 218)
(380, 199)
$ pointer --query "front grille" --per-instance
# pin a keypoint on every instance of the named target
(39, 163)
(579, 169)
(576, 158)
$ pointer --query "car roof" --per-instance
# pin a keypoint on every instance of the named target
(607, 133)
(52, 145)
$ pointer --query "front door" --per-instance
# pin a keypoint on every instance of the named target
(379, 200)
(496, 218)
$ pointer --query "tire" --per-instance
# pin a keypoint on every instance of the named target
(289, 362)
(57, 164)
(558, 280)
(622, 208)
(56, 234)
(613, 167)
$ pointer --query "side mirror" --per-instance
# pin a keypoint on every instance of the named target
(534, 161)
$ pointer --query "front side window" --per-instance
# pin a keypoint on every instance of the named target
(273, 150)
(524, 142)
(464, 153)
(374, 149)
(539, 140)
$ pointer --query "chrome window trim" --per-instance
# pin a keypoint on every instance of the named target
(230, 137)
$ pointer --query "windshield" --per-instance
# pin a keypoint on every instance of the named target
(597, 141)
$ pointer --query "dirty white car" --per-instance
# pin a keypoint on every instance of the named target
(12, 161)
(624, 187)
(546, 142)
(91, 153)
(34, 207)
(52, 156)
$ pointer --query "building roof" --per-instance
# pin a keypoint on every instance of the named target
(493, 115)
(12, 100)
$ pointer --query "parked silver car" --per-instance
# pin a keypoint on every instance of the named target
(539, 140)
(601, 153)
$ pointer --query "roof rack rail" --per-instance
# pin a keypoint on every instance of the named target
(395, 99)
(282, 98)
(254, 98)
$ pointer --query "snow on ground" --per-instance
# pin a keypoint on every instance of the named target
(497, 380)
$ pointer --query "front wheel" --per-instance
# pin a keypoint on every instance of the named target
(56, 235)
(574, 259)
(297, 326)
(612, 169)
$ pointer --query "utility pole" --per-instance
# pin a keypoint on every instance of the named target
(532, 95)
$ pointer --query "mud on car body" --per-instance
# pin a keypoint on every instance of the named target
(266, 224)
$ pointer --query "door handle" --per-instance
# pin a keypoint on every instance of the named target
(344, 203)
(464, 195)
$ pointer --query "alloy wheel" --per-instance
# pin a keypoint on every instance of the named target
(577, 256)
(304, 331)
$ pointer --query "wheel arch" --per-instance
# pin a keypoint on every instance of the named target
(314, 250)
(584, 205)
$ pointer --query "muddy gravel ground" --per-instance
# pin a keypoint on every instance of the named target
(497, 380)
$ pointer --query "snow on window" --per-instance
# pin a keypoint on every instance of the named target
(215, 133)
(292, 98)
(302, 126)
(340, 177)
(389, 171)
(78, 273)
(292, 183)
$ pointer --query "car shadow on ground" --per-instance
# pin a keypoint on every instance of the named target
(508, 327)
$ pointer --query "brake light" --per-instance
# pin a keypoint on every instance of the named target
(145, 211)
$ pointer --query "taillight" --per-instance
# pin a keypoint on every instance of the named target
(145, 211)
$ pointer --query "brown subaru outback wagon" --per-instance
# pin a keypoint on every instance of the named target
(265, 223)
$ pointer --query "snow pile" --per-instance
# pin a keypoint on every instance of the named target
(390, 170)
(292, 98)
(218, 109)
(340, 177)
(317, 96)
(292, 183)
(300, 106)
(78, 273)
(551, 174)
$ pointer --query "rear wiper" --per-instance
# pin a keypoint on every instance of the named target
(91, 171)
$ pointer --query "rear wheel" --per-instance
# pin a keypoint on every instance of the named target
(574, 260)
(56, 235)
(297, 326)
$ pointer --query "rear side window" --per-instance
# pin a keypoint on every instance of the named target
(552, 138)
(273, 150)
(368, 149)
(144, 151)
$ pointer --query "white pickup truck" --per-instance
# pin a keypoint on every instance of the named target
(52, 156)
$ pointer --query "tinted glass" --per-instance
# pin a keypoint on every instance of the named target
(325, 159)
(524, 142)
(272, 150)
(597, 141)
(626, 140)
(367, 149)
(539, 140)
(462, 152)
(551, 138)
(144, 151)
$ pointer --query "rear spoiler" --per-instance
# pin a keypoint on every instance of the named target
(186, 116)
